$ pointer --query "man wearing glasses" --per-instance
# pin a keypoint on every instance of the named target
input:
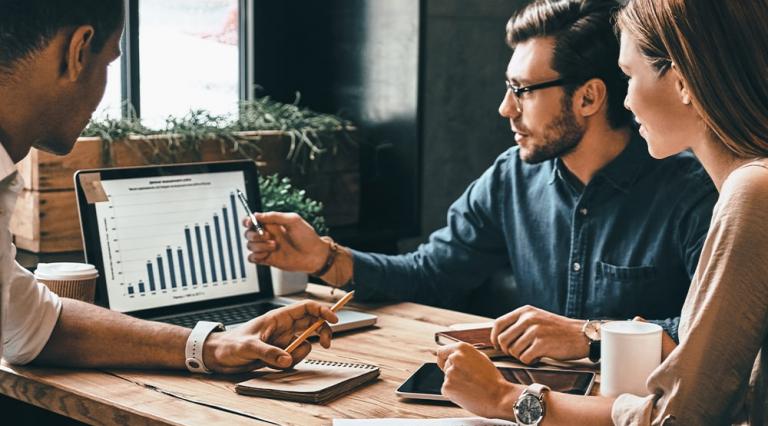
(590, 225)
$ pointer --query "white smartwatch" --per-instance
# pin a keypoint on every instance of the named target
(193, 352)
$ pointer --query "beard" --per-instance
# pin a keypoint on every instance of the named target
(561, 136)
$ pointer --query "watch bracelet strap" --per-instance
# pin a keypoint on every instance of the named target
(193, 350)
(595, 350)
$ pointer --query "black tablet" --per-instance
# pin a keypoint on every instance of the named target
(427, 381)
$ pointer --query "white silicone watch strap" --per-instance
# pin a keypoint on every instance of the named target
(193, 352)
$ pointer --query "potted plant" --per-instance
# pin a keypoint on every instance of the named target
(317, 151)
(279, 195)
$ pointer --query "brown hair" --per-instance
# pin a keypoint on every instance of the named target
(719, 47)
(27, 26)
(585, 46)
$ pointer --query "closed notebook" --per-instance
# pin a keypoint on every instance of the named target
(310, 380)
(480, 338)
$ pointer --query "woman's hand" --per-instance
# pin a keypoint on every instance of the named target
(474, 383)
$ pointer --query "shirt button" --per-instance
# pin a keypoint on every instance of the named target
(576, 266)
(583, 211)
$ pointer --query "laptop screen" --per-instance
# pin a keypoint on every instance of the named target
(169, 236)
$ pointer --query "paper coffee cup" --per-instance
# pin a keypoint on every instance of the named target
(629, 352)
(68, 279)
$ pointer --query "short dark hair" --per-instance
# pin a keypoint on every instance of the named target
(586, 46)
(27, 26)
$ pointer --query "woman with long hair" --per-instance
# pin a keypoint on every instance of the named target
(698, 80)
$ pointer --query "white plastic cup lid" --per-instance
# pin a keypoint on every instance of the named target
(66, 271)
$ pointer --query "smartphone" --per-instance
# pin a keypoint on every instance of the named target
(427, 381)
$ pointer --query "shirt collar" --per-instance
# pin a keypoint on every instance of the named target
(560, 171)
(624, 170)
(7, 167)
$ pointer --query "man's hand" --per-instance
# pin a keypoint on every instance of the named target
(259, 342)
(474, 383)
(288, 243)
(529, 333)
(667, 343)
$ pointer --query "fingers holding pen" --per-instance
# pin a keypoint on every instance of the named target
(252, 234)
(261, 245)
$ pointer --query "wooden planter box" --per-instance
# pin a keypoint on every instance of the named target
(46, 221)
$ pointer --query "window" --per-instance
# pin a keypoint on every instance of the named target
(110, 105)
(177, 55)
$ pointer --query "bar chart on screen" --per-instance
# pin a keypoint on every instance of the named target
(175, 239)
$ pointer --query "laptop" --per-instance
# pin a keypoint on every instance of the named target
(169, 244)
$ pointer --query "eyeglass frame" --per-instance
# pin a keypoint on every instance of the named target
(518, 91)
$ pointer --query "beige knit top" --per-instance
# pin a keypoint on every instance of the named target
(716, 375)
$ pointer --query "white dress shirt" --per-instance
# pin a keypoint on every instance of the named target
(28, 310)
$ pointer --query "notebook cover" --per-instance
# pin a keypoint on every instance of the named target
(480, 338)
(309, 381)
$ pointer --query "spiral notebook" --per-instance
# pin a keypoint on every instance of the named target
(310, 380)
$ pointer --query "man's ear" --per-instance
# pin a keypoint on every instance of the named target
(77, 52)
(681, 86)
(590, 97)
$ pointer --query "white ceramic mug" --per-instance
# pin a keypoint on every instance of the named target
(69, 279)
(629, 352)
(284, 282)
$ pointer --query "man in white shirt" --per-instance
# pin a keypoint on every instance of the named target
(53, 70)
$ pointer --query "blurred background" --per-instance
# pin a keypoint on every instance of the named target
(421, 79)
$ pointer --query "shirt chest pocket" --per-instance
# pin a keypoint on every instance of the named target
(619, 291)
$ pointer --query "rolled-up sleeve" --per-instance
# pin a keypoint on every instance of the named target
(28, 310)
(633, 410)
(29, 315)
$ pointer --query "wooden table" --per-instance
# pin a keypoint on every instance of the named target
(401, 341)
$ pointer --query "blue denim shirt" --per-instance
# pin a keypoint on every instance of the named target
(625, 244)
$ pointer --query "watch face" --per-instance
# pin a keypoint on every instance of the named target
(592, 330)
(528, 410)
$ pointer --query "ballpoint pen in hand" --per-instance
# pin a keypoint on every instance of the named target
(256, 225)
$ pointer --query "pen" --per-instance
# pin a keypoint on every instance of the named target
(299, 340)
(255, 222)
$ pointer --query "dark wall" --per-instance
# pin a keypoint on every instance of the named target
(423, 80)
(361, 59)
(464, 60)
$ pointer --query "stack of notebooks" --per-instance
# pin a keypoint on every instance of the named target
(310, 381)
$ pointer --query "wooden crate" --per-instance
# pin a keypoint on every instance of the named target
(46, 220)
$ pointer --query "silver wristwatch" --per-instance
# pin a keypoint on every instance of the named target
(193, 352)
(530, 408)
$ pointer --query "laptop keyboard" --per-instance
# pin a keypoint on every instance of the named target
(227, 316)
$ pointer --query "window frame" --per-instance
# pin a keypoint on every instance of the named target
(130, 78)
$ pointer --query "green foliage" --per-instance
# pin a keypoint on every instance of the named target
(279, 195)
(307, 129)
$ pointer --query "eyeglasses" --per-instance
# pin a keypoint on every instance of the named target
(519, 91)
